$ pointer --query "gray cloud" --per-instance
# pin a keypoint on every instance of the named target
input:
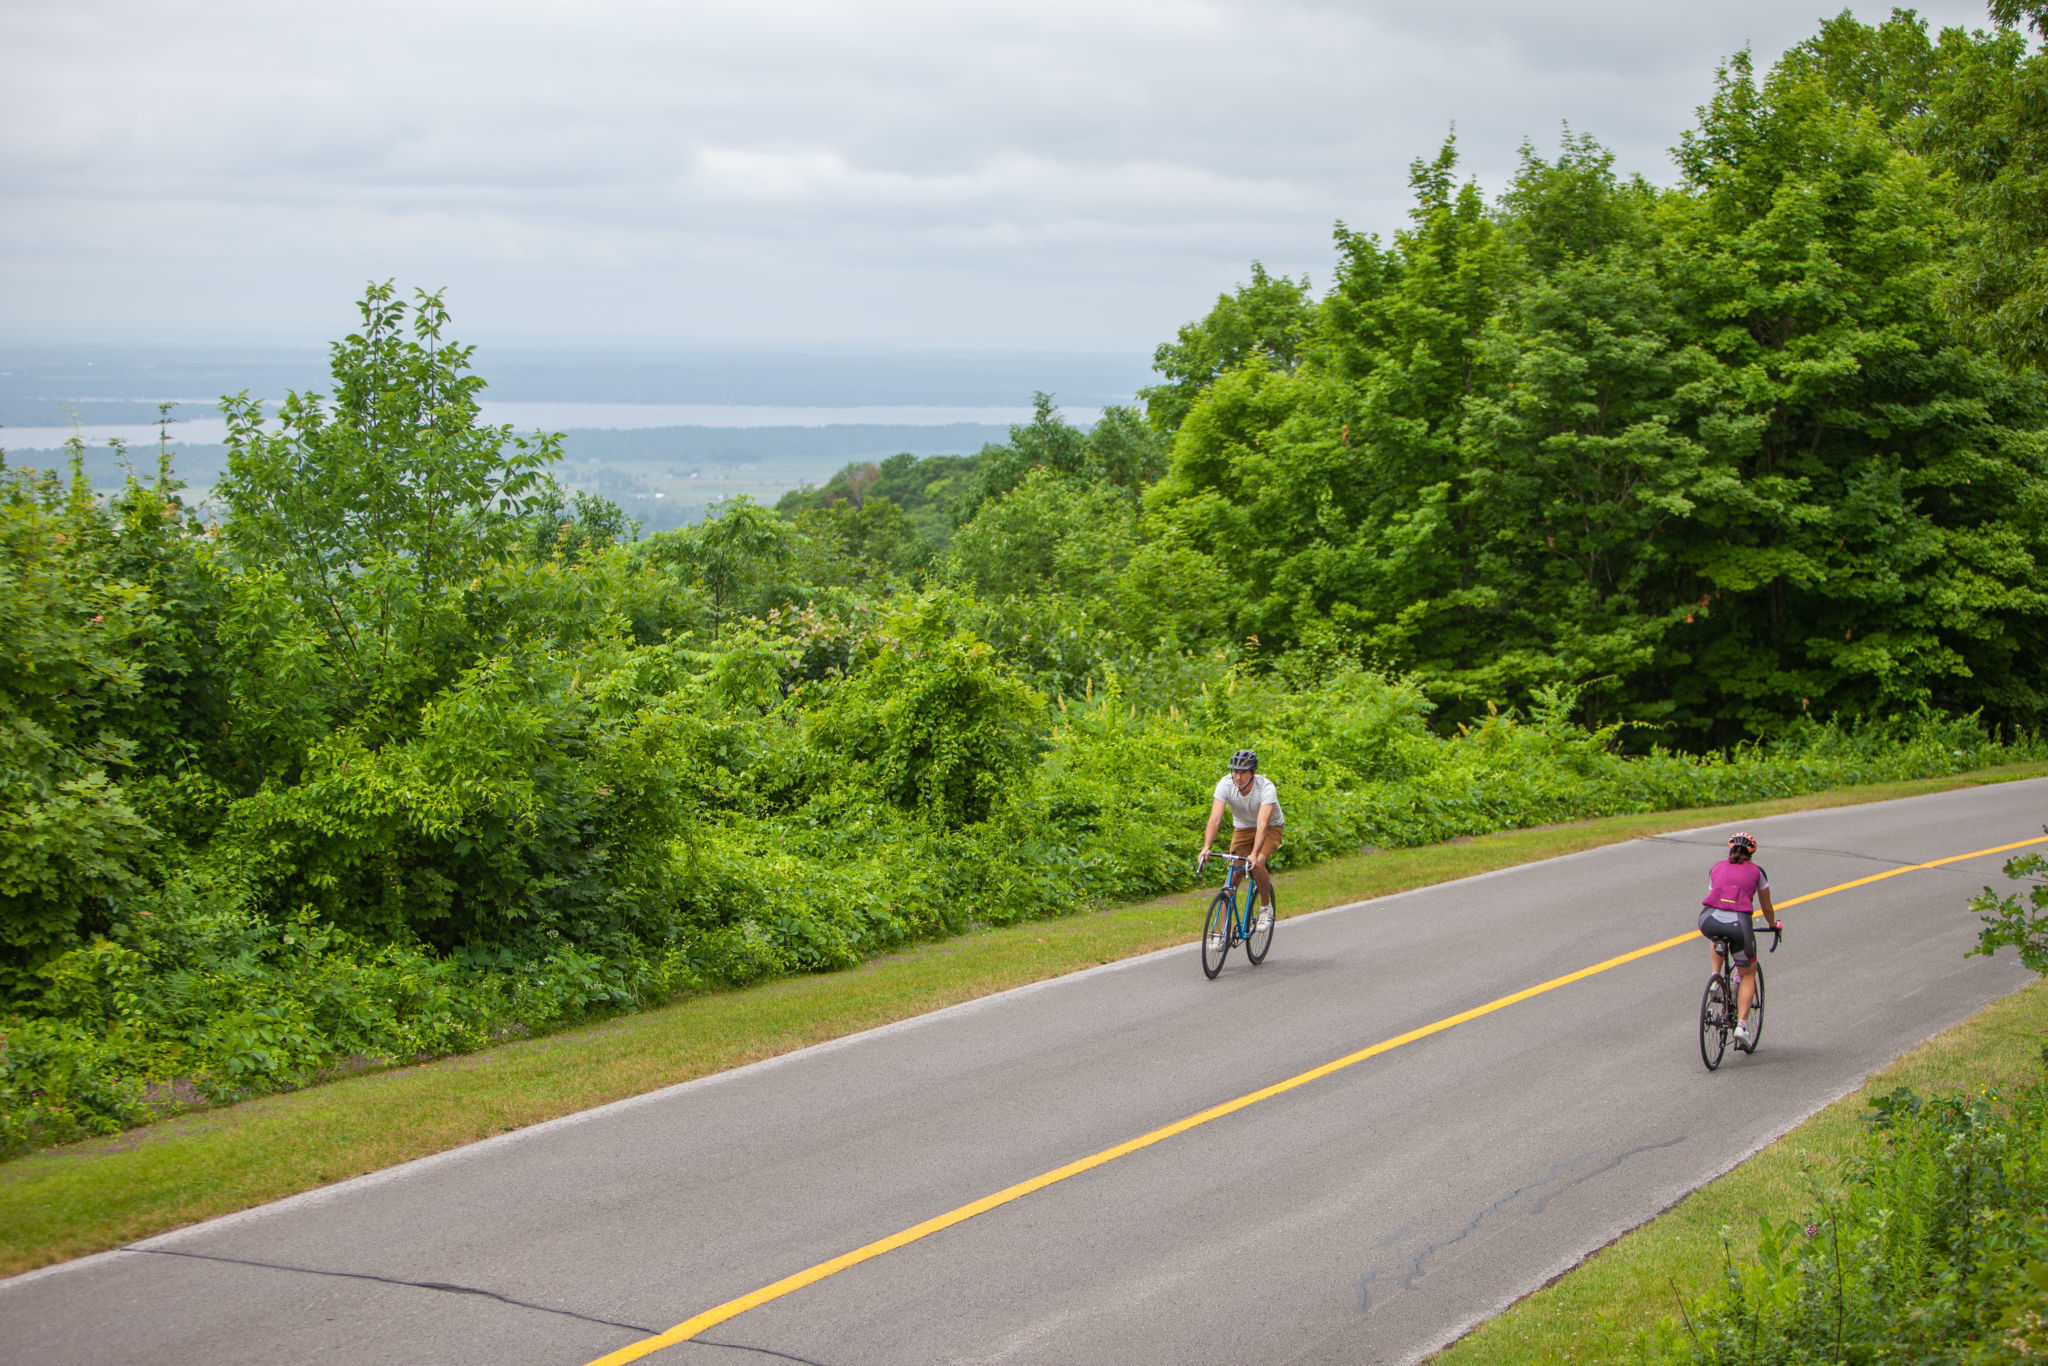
(1065, 173)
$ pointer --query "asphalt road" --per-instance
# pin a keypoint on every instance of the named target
(1369, 1215)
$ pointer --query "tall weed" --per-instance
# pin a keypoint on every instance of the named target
(1931, 1248)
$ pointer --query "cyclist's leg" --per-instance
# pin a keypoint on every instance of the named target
(1261, 874)
(1241, 845)
(1746, 961)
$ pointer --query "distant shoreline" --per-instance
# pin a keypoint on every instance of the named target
(855, 439)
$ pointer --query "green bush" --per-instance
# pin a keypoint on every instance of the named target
(1932, 1250)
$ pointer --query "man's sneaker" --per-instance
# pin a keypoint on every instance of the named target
(1265, 920)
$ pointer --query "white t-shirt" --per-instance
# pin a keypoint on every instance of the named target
(1244, 806)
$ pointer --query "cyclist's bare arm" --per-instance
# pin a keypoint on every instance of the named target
(1216, 810)
(1763, 897)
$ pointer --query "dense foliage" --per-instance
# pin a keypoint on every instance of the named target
(2017, 920)
(1710, 452)
(1988, 127)
(1598, 498)
(1933, 1250)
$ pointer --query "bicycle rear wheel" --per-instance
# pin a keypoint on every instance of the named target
(1261, 938)
(1216, 935)
(1756, 1012)
(1714, 1023)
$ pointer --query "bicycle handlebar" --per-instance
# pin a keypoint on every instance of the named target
(1777, 933)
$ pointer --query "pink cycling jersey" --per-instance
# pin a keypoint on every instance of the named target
(1733, 886)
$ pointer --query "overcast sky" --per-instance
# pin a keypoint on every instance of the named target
(1064, 174)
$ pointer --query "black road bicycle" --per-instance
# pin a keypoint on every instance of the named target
(1717, 1005)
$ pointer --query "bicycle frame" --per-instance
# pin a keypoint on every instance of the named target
(1240, 925)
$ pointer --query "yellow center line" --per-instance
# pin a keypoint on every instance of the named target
(710, 1318)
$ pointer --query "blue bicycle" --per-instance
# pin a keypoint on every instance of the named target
(1251, 925)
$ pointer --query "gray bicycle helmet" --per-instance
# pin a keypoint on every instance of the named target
(1244, 759)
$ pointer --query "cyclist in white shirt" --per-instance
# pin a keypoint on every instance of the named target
(1257, 823)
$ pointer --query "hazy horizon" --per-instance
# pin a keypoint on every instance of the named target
(906, 175)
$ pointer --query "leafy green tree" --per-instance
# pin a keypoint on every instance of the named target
(1889, 70)
(1583, 478)
(1120, 450)
(738, 557)
(1268, 317)
(1708, 455)
(1323, 497)
(1050, 534)
(1048, 441)
(360, 521)
(1572, 209)
(932, 720)
(573, 526)
(1989, 131)
(1882, 545)
(72, 637)
(874, 543)
(1125, 450)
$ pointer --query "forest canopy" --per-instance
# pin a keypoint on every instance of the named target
(1594, 496)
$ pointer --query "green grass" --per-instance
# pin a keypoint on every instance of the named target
(1597, 1311)
(87, 1197)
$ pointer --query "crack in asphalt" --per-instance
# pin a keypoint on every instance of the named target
(766, 1351)
(1413, 1273)
(442, 1286)
(449, 1289)
(1609, 1165)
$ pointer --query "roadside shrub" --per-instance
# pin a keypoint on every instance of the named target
(2009, 921)
(932, 719)
(1933, 1249)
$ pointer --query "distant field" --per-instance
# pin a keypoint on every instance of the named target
(662, 476)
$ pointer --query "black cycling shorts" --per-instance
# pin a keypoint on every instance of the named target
(1732, 928)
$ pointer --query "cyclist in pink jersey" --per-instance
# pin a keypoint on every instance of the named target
(1725, 919)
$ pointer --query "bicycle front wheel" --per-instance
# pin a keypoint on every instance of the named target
(1216, 936)
(1715, 1009)
(1756, 1011)
(1261, 938)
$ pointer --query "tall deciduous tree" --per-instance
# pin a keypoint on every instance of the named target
(360, 519)
(1711, 455)
(1990, 131)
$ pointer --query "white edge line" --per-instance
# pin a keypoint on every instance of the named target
(370, 1180)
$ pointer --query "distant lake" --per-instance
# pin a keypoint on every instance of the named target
(200, 423)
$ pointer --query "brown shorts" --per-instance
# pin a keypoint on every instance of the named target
(1241, 840)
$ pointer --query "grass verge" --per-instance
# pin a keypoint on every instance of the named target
(88, 1197)
(1597, 1311)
